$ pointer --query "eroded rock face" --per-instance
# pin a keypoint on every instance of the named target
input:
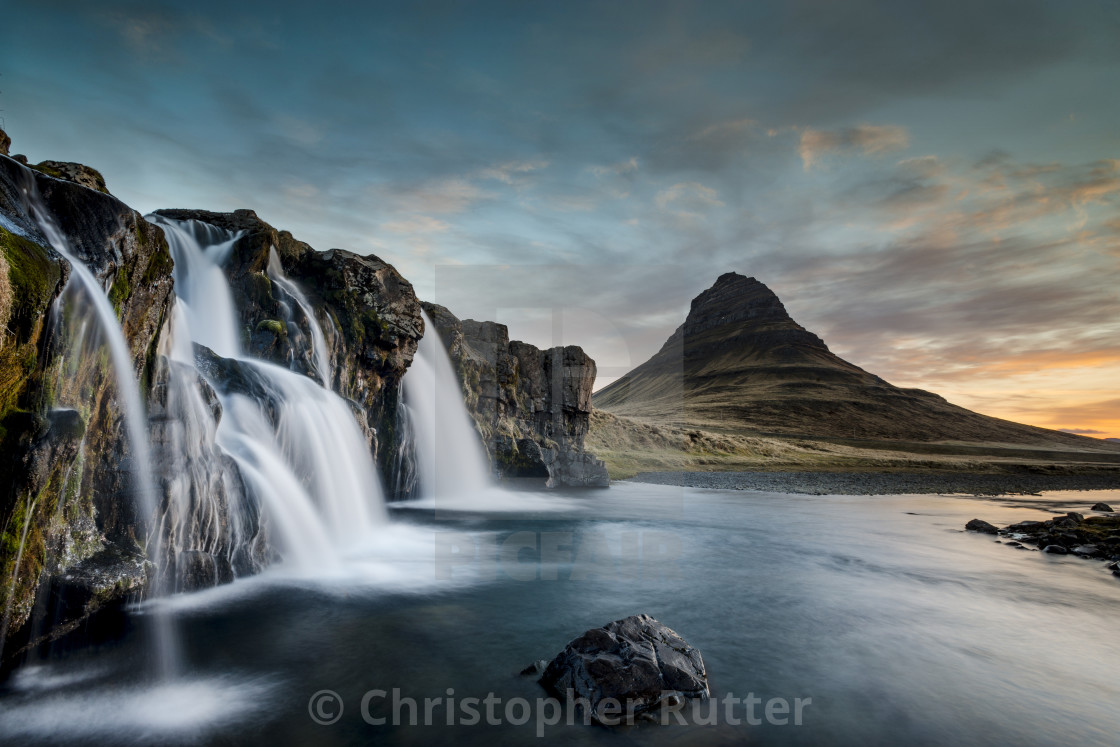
(532, 406)
(74, 172)
(368, 312)
(65, 458)
(636, 661)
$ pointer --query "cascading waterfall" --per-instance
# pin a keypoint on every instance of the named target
(318, 341)
(132, 409)
(451, 458)
(297, 445)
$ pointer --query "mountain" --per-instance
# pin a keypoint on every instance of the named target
(740, 364)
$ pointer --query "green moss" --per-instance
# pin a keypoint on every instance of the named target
(160, 264)
(260, 289)
(33, 277)
(33, 280)
(277, 328)
(44, 168)
(120, 291)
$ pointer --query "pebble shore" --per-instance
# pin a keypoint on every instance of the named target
(882, 483)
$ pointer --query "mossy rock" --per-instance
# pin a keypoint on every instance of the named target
(73, 172)
(33, 277)
(120, 290)
(274, 326)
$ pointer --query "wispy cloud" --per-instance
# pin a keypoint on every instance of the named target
(867, 139)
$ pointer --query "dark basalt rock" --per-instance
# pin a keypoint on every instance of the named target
(636, 661)
(1102, 507)
(532, 407)
(5, 143)
(1094, 537)
(65, 510)
(979, 525)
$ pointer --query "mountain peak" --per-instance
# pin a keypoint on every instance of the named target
(743, 303)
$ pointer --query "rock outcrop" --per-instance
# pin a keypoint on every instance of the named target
(1095, 537)
(532, 407)
(369, 314)
(636, 662)
(73, 172)
(74, 539)
(979, 525)
(65, 469)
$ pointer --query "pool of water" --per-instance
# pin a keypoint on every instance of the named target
(889, 623)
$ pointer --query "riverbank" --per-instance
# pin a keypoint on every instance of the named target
(883, 483)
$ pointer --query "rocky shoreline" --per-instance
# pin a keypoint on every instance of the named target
(1090, 537)
(883, 483)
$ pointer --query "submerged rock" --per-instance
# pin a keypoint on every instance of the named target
(979, 525)
(636, 661)
(1095, 537)
(1102, 507)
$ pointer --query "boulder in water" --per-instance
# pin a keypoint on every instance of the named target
(636, 662)
(1102, 507)
(979, 525)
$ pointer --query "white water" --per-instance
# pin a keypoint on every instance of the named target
(132, 409)
(452, 464)
(318, 341)
(299, 448)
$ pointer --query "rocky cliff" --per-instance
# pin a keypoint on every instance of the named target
(69, 539)
(74, 538)
(531, 406)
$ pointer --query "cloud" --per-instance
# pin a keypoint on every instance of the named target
(723, 129)
(439, 196)
(868, 139)
(691, 196)
(416, 224)
(299, 131)
(512, 172)
(629, 166)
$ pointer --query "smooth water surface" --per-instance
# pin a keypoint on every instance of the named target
(899, 627)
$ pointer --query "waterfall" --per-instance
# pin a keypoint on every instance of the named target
(451, 458)
(132, 410)
(318, 340)
(296, 444)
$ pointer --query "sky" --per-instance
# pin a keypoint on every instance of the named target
(933, 188)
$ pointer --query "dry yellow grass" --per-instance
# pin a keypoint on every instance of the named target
(633, 445)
